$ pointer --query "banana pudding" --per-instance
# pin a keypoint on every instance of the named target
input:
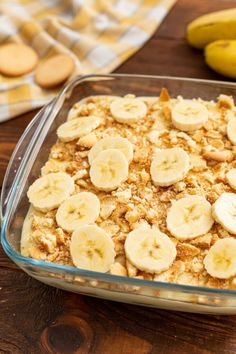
(141, 187)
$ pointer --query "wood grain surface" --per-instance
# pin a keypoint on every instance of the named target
(35, 318)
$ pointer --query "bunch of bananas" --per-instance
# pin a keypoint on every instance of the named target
(216, 34)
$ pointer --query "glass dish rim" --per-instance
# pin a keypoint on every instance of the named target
(19, 259)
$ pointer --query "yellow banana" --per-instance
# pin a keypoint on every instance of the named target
(221, 57)
(211, 27)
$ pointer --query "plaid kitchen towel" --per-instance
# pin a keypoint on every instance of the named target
(98, 34)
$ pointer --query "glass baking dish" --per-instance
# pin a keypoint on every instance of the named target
(32, 152)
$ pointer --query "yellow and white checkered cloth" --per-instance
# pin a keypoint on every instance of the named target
(98, 34)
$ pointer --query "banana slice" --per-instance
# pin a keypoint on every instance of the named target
(224, 211)
(231, 130)
(109, 170)
(220, 261)
(75, 128)
(73, 112)
(169, 166)
(49, 191)
(231, 178)
(128, 110)
(150, 250)
(121, 144)
(189, 115)
(189, 217)
(92, 248)
(80, 209)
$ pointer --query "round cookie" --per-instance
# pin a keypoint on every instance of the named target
(54, 71)
(17, 59)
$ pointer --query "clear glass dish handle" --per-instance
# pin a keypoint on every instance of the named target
(17, 156)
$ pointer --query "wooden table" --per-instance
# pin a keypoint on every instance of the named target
(35, 318)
